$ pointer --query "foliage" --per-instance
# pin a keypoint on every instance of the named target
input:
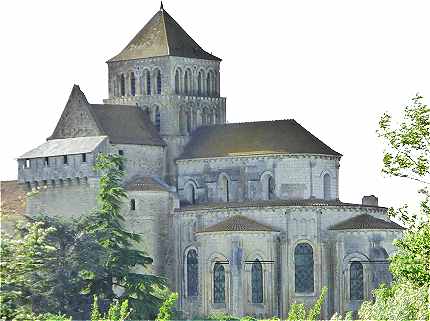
(105, 224)
(297, 312)
(118, 311)
(315, 311)
(222, 317)
(166, 309)
(404, 301)
(338, 317)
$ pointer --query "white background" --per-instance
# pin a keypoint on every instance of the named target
(334, 66)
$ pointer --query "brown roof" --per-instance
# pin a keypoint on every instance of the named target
(162, 36)
(146, 183)
(366, 222)
(273, 203)
(126, 124)
(238, 223)
(13, 198)
(254, 138)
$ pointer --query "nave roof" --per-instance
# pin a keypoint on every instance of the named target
(238, 223)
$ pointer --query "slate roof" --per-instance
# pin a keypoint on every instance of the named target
(125, 124)
(146, 183)
(366, 222)
(238, 223)
(162, 36)
(274, 203)
(13, 198)
(65, 146)
(254, 138)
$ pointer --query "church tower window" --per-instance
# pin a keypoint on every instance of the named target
(122, 85)
(148, 83)
(65, 160)
(326, 187)
(208, 84)
(158, 82)
(177, 81)
(192, 273)
(257, 282)
(356, 281)
(187, 82)
(200, 83)
(132, 204)
(190, 193)
(157, 118)
(224, 189)
(219, 283)
(132, 84)
(304, 268)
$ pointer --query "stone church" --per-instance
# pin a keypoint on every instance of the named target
(242, 218)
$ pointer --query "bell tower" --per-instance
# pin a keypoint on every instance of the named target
(166, 73)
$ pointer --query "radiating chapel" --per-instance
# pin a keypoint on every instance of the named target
(242, 218)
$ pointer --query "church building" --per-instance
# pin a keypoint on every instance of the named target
(241, 218)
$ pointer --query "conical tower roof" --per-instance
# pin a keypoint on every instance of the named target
(162, 36)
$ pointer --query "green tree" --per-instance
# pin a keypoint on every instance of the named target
(166, 310)
(407, 156)
(106, 225)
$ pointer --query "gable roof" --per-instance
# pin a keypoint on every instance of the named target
(121, 123)
(147, 183)
(126, 124)
(254, 138)
(65, 146)
(162, 36)
(238, 223)
(366, 222)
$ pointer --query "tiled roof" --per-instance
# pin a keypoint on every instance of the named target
(238, 223)
(13, 198)
(65, 146)
(126, 124)
(273, 203)
(366, 222)
(162, 36)
(146, 183)
(254, 138)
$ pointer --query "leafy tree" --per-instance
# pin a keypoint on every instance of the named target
(407, 156)
(118, 311)
(105, 224)
(166, 310)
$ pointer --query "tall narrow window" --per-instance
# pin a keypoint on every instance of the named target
(148, 83)
(27, 163)
(158, 82)
(200, 83)
(208, 84)
(356, 287)
(187, 86)
(132, 204)
(177, 82)
(65, 160)
(157, 118)
(326, 184)
(46, 162)
(121, 165)
(132, 84)
(224, 189)
(122, 85)
(190, 193)
(192, 273)
(257, 282)
(219, 283)
(304, 268)
(188, 116)
(84, 157)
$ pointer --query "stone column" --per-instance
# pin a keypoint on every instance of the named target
(236, 275)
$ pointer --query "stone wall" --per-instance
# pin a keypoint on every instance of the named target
(295, 177)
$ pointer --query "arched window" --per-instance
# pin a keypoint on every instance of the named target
(122, 85)
(304, 268)
(224, 189)
(187, 82)
(157, 118)
(192, 273)
(257, 282)
(148, 83)
(219, 283)
(158, 82)
(188, 116)
(200, 83)
(268, 186)
(326, 184)
(208, 84)
(177, 81)
(132, 84)
(190, 193)
(356, 288)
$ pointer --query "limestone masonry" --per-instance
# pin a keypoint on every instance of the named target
(241, 218)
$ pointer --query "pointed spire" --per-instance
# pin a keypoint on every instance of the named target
(161, 6)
